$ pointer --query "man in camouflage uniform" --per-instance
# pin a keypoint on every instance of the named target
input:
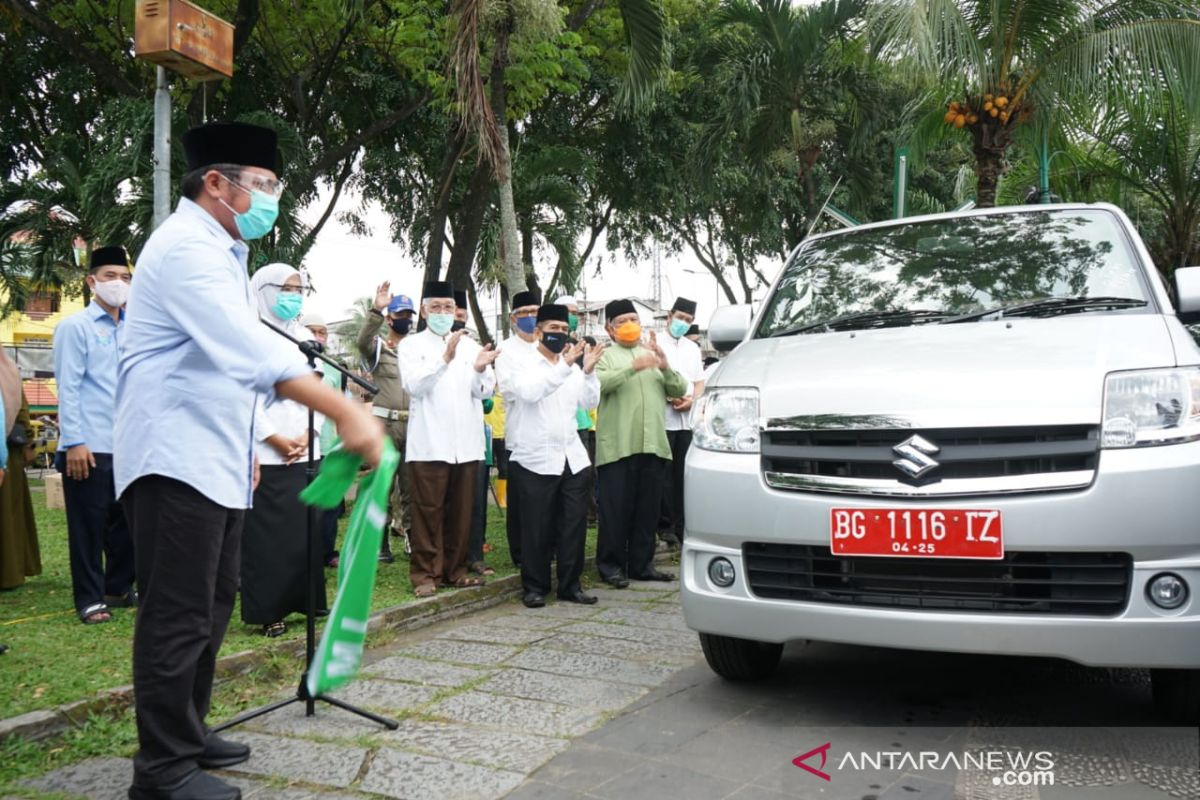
(388, 322)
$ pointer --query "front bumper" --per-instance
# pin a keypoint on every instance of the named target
(1144, 502)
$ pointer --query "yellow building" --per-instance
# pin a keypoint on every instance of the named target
(28, 337)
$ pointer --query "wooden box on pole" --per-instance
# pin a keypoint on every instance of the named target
(183, 38)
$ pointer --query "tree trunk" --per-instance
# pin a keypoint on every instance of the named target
(441, 203)
(467, 228)
(991, 142)
(510, 236)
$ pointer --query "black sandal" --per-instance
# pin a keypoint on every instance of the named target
(274, 630)
(95, 614)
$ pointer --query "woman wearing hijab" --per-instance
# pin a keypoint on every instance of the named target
(274, 542)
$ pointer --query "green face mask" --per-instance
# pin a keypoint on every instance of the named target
(572, 322)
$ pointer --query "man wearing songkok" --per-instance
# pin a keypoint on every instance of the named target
(85, 372)
(446, 374)
(549, 462)
(631, 446)
(194, 359)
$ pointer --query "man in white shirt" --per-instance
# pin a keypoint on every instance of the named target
(446, 375)
(513, 352)
(550, 466)
(685, 357)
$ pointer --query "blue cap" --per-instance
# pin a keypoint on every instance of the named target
(401, 302)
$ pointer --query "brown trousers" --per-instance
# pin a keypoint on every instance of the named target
(442, 494)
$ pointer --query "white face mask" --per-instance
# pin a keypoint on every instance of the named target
(113, 293)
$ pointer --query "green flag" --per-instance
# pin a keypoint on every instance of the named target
(340, 651)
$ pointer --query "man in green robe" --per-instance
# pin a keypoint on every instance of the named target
(632, 451)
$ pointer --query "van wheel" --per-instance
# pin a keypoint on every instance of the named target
(1177, 694)
(740, 659)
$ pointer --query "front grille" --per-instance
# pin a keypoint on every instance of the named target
(1092, 584)
(964, 452)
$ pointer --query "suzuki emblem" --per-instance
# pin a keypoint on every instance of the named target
(915, 456)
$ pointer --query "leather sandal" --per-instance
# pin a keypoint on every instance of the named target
(95, 614)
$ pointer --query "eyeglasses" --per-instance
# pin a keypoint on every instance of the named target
(285, 288)
(268, 186)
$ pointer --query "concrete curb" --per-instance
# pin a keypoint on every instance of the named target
(45, 723)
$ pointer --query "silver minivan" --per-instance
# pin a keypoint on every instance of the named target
(973, 432)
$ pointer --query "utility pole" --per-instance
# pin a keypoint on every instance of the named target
(162, 148)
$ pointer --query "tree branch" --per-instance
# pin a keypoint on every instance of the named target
(337, 154)
(104, 69)
(339, 184)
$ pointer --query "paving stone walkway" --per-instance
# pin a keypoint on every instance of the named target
(482, 701)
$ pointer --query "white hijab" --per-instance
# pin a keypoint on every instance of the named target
(265, 283)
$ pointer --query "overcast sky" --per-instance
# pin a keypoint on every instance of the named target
(344, 267)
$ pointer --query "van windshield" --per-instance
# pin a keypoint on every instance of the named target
(1035, 263)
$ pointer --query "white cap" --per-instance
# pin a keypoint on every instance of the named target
(313, 320)
(566, 300)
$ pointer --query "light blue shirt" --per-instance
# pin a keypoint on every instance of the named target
(3, 439)
(194, 358)
(85, 370)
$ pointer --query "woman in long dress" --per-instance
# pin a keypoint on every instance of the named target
(275, 550)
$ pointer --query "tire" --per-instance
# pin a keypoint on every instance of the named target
(1177, 694)
(740, 659)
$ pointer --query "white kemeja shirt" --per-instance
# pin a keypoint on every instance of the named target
(514, 351)
(287, 418)
(685, 358)
(548, 396)
(445, 420)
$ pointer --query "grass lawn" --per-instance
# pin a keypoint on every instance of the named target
(55, 659)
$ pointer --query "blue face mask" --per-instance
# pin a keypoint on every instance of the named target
(287, 306)
(440, 323)
(679, 328)
(527, 324)
(257, 221)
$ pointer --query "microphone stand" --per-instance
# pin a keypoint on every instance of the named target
(313, 350)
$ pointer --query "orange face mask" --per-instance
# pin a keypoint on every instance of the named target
(628, 332)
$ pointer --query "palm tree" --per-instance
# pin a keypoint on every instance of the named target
(1156, 156)
(484, 112)
(1004, 68)
(786, 80)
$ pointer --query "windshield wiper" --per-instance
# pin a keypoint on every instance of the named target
(1051, 306)
(865, 319)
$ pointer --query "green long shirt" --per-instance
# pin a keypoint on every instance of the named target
(633, 406)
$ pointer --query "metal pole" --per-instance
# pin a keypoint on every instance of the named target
(1044, 167)
(162, 149)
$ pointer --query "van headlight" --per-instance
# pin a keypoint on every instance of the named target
(1151, 407)
(726, 419)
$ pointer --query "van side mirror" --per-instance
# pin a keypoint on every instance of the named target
(1187, 288)
(729, 325)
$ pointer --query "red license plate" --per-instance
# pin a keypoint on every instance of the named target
(924, 533)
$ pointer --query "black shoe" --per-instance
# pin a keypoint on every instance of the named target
(127, 600)
(655, 575)
(219, 753)
(197, 786)
(387, 558)
(579, 597)
(617, 581)
(671, 540)
(533, 600)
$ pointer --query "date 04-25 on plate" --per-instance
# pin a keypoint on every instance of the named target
(928, 533)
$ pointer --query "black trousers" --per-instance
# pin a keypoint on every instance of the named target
(589, 444)
(630, 495)
(512, 518)
(555, 527)
(479, 514)
(98, 540)
(188, 550)
(329, 530)
(680, 441)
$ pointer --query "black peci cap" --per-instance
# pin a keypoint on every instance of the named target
(109, 256)
(526, 298)
(552, 313)
(616, 308)
(231, 143)
(685, 305)
(438, 289)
